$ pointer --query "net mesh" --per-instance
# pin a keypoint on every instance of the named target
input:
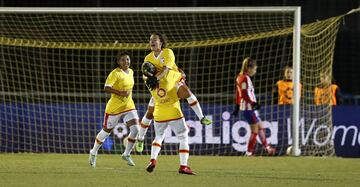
(54, 68)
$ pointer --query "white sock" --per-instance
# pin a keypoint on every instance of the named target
(131, 139)
(144, 125)
(100, 138)
(155, 149)
(195, 106)
(156, 146)
(183, 150)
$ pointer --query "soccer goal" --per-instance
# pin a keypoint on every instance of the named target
(54, 62)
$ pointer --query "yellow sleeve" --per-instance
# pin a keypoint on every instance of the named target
(146, 59)
(170, 59)
(277, 84)
(316, 97)
(111, 79)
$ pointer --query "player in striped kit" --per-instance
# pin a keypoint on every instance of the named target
(246, 102)
(121, 106)
(167, 112)
(163, 59)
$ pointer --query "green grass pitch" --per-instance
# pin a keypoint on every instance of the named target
(24, 169)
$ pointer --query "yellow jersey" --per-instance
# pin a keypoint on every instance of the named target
(120, 80)
(326, 95)
(165, 58)
(285, 91)
(167, 104)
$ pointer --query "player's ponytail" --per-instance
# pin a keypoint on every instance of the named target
(246, 64)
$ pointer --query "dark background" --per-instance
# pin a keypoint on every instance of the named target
(346, 60)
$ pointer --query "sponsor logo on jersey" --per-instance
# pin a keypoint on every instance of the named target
(161, 92)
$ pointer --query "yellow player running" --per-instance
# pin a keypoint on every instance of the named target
(121, 106)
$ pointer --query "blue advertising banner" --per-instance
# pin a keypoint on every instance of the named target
(71, 128)
(346, 132)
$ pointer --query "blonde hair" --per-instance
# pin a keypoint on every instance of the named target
(246, 64)
(327, 75)
(286, 68)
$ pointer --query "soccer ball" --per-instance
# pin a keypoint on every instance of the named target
(289, 150)
(125, 141)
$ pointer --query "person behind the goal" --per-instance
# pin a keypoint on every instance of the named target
(283, 91)
(327, 93)
(246, 103)
(121, 106)
(166, 94)
(163, 59)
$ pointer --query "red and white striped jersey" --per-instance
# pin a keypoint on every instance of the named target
(245, 95)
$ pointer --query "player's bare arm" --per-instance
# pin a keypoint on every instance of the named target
(123, 93)
(163, 73)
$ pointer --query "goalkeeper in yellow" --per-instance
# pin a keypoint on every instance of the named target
(163, 59)
(167, 112)
(121, 106)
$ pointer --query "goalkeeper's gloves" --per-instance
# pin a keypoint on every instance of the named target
(151, 82)
(256, 106)
(236, 110)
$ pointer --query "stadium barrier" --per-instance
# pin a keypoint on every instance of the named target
(71, 128)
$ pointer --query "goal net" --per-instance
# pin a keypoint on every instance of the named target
(54, 63)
